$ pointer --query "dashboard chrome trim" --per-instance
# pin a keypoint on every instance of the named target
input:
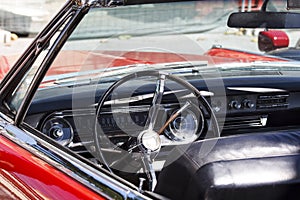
(150, 95)
(256, 89)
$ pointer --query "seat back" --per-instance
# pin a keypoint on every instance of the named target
(256, 166)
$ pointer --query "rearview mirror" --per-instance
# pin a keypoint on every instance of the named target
(275, 20)
(271, 40)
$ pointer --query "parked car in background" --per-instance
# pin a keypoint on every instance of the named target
(111, 104)
(276, 43)
(26, 17)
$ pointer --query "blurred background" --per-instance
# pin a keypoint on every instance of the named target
(21, 20)
(25, 17)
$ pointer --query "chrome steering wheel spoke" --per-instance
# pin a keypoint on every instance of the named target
(156, 102)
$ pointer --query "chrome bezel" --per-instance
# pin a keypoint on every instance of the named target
(171, 134)
(60, 139)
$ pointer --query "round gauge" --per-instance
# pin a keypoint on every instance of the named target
(58, 129)
(187, 126)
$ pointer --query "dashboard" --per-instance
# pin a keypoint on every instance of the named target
(250, 105)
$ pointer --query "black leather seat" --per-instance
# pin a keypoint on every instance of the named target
(257, 166)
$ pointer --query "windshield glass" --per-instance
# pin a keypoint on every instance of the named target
(185, 35)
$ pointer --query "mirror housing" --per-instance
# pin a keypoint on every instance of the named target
(261, 19)
(271, 40)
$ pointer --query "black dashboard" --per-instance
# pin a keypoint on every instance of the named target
(248, 105)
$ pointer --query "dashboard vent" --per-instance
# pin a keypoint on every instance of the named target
(245, 122)
(272, 101)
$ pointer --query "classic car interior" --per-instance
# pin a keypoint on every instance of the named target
(182, 130)
(260, 128)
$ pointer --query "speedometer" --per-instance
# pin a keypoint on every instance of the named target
(187, 126)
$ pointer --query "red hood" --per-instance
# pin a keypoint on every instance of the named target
(73, 61)
(241, 56)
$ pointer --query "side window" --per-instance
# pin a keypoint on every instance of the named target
(20, 91)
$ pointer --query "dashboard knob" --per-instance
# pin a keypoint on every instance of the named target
(248, 104)
(235, 105)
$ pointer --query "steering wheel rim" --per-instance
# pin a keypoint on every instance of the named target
(150, 73)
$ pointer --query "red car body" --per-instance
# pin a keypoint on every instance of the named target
(28, 177)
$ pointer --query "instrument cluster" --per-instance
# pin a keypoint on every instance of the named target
(75, 128)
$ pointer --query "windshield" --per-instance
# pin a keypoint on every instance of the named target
(180, 38)
(189, 35)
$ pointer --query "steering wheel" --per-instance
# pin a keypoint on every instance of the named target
(148, 140)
